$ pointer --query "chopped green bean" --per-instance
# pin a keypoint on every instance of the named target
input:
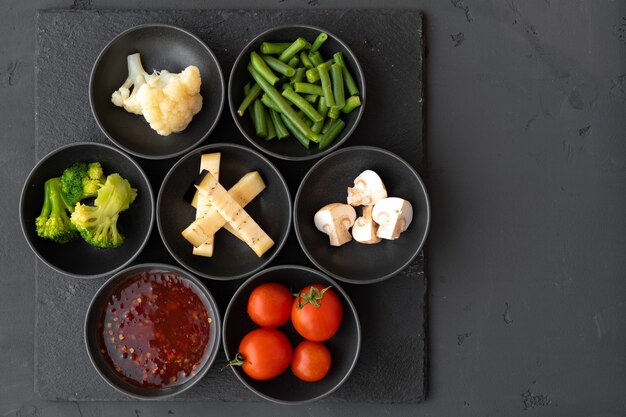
(246, 89)
(327, 125)
(251, 95)
(279, 66)
(306, 88)
(293, 49)
(322, 109)
(316, 58)
(269, 103)
(351, 104)
(326, 86)
(337, 79)
(274, 48)
(331, 134)
(311, 98)
(260, 124)
(304, 58)
(261, 67)
(295, 131)
(299, 77)
(279, 126)
(293, 62)
(271, 131)
(321, 38)
(347, 77)
(302, 104)
(312, 75)
(334, 112)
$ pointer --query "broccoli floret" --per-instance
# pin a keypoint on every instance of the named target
(54, 222)
(81, 180)
(98, 224)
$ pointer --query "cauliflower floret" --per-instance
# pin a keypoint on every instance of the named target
(168, 101)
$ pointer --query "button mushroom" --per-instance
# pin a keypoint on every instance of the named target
(335, 220)
(368, 189)
(364, 229)
(393, 215)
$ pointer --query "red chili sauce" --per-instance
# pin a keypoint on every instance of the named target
(155, 330)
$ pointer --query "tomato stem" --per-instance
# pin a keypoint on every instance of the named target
(238, 361)
(313, 297)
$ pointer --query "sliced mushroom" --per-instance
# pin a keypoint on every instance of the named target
(364, 229)
(335, 220)
(393, 215)
(368, 189)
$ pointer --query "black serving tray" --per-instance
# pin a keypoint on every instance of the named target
(389, 45)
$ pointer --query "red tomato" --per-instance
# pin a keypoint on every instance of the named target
(264, 353)
(269, 305)
(316, 313)
(311, 361)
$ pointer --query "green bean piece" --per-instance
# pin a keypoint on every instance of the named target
(279, 126)
(351, 104)
(326, 86)
(331, 134)
(274, 48)
(311, 98)
(271, 131)
(269, 103)
(321, 38)
(322, 109)
(295, 131)
(312, 75)
(327, 125)
(316, 58)
(306, 88)
(279, 66)
(260, 124)
(334, 112)
(337, 80)
(283, 105)
(299, 77)
(251, 95)
(294, 62)
(304, 58)
(261, 67)
(293, 49)
(302, 104)
(246, 89)
(347, 77)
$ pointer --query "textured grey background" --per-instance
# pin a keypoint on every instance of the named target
(526, 150)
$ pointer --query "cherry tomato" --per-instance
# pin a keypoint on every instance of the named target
(264, 353)
(311, 361)
(269, 305)
(316, 313)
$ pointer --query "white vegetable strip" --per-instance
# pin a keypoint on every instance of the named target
(208, 162)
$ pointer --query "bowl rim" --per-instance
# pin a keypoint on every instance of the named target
(108, 46)
(217, 146)
(336, 143)
(337, 287)
(29, 180)
(201, 287)
(336, 154)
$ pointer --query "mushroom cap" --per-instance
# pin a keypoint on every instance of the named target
(364, 229)
(368, 189)
(335, 220)
(394, 215)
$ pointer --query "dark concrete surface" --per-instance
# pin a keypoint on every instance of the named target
(526, 154)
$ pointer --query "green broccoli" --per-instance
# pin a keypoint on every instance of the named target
(81, 180)
(54, 222)
(98, 224)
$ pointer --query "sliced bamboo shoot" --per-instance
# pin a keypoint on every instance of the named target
(235, 215)
(246, 189)
(211, 163)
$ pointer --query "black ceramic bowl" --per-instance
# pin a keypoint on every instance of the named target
(327, 182)
(344, 346)
(94, 345)
(161, 47)
(289, 148)
(232, 258)
(78, 258)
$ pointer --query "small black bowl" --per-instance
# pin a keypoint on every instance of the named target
(344, 346)
(106, 370)
(290, 149)
(327, 182)
(77, 258)
(161, 47)
(232, 258)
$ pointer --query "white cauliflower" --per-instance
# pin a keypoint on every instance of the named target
(168, 101)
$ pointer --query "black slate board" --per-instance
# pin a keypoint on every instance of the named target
(389, 45)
